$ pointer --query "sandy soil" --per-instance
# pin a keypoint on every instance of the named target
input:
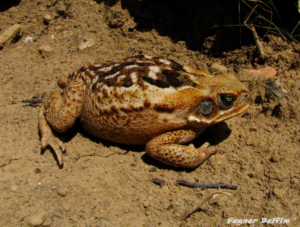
(106, 184)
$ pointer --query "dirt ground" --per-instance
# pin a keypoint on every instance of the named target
(105, 184)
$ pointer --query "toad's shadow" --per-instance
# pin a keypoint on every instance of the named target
(214, 135)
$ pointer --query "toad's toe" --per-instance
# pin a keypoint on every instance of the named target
(49, 139)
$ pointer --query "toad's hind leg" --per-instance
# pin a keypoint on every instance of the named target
(59, 113)
(167, 149)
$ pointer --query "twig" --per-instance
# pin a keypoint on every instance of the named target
(32, 101)
(158, 181)
(198, 207)
(197, 185)
(256, 38)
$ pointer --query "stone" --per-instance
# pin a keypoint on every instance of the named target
(254, 74)
(62, 192)
(47, 17)
(279, 192)
(10, 34)
(47, 222)
(216, 67)
(45, 48)
(85, 44)
(36, 219)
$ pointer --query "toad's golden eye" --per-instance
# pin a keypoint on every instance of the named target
(226, 101)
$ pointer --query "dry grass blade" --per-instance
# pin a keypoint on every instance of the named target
(198, 206)
(252, 28)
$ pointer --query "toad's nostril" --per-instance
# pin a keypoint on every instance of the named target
(244, 97)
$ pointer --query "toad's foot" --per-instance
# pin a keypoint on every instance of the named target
(167, 149)
(48, 138)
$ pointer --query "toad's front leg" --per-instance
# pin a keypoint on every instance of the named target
(59, 113)
(167, 149)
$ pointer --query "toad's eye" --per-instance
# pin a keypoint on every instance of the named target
(226, 101)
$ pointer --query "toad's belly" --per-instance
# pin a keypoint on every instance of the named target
(137, 127)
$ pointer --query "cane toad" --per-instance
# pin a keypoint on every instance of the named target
(143, 100)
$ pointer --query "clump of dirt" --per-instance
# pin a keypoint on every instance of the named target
(105, 184)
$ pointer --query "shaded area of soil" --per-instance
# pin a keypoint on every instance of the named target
(6, 4)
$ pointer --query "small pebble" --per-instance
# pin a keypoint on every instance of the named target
(45, 48)
(47, 17)
(58, 28)
(218, 68)
(36, 219)
(28, 39)
(251, 175)
(86, 44)
(152, 169)
(62, 191)
(146, 203)
(274, 158)
(279, 192)
(159, 181)
(104, 223)
(216, 160)
(267, 72)
(9, 34)
(47, 222)
(37, 170)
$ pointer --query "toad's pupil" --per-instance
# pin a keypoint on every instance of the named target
(227, 99)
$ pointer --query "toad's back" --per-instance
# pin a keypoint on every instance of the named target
(123, 101)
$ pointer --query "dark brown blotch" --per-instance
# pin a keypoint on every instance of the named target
(110, 82)
(94, 86)
(83, 69)
(156, 60)
(107, 112)
(105, 93)
(172, 77)
(163, 108)
(176, 66)
(114, 109)
(126, 110)
(145, 63)
(121, 67)
(147, 103)
(158, 83)
(89, 74)
(137, 109)
(117, 95)
(127, 82)
(116, 69)
(127, 123)
(177, 79)
(91, 67)
(95, 68)
(113, 81)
